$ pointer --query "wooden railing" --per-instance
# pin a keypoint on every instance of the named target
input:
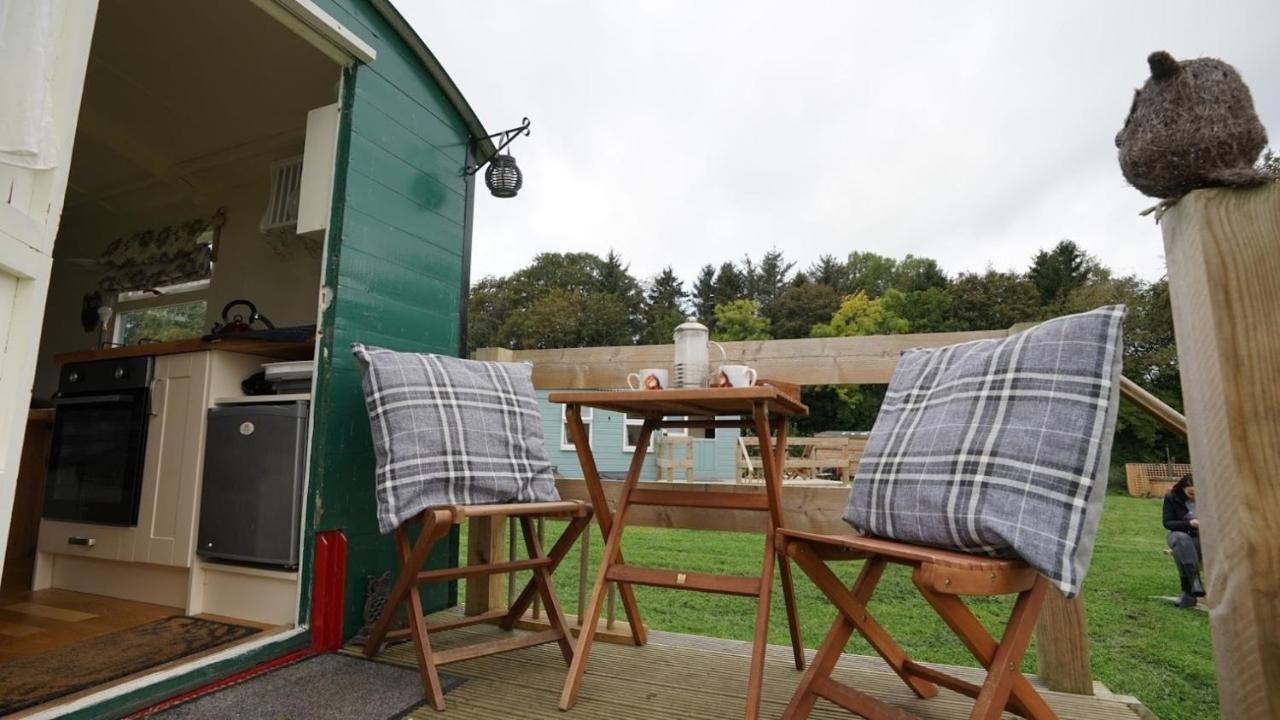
(1062, 646)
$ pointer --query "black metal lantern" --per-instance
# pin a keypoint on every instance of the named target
(503, 178)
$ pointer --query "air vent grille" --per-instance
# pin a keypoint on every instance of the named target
(282, 204)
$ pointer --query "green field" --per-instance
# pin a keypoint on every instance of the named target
(1140, 646)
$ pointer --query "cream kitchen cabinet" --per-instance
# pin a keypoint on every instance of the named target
(181, 394)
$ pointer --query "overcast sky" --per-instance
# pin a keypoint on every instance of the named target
(685, 133)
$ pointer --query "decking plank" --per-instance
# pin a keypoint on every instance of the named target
(704, 678)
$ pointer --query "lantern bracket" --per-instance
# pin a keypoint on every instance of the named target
(507, 136)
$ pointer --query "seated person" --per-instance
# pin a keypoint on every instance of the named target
(1184, 538)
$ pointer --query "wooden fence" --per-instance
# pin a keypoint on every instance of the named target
(811, 458)
(1153, 480)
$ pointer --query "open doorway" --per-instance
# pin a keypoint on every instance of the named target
(183, 198)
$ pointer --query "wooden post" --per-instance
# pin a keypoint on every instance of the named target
(487, 537)
(1062, 644)
(1223, 251)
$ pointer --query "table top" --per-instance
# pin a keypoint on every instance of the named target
(685, 401)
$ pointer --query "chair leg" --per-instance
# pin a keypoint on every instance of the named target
(431, 687)
(434, 526)
(802, 701)
(855, 610)
(542, 581)
(558, 553)
(1005, 682)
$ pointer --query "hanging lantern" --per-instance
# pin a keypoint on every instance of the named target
(503, 177)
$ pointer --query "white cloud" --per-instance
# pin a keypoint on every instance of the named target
(687, 133)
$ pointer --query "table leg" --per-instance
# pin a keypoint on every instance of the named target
(600, 505)
(589, 617)
(784, 562)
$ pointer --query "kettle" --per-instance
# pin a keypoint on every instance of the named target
(239, 323)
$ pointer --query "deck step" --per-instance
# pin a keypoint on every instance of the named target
(702, 582)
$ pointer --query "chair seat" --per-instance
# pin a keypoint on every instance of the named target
(908, 554)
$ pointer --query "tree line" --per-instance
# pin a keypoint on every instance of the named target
(584, 300)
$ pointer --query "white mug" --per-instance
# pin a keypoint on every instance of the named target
(649, 379)
(736, 376)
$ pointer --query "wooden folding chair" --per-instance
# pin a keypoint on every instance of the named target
(942, 577)
(434, 524)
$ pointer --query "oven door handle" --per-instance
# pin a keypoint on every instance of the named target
(92, 399)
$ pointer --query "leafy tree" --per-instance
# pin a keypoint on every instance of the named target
(800, 307)
(770, 279)
(870, 273)
(860, 315)
(731, 284)
(915, 274)
(487, 310)
(740, 320)
(1058, 271)
(992, 301)
(568, 318)
(704, 295)
(925, 311)
(664, 308)
(829, 271)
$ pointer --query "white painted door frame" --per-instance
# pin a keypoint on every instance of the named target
(30, 208)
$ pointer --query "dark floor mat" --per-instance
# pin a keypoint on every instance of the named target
(325, 687)
(50, 675)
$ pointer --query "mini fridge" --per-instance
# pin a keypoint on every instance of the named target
(251, 495)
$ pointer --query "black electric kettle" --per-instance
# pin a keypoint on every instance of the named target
(240, 323)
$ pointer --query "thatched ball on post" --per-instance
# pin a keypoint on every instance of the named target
(1192, 125)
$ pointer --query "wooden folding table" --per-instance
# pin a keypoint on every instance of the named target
(764, 409)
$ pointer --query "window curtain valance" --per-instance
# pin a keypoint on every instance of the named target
(152, 259)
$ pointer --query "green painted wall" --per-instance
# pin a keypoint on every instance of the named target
(395, 274)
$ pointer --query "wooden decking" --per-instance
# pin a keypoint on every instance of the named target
(685, 676)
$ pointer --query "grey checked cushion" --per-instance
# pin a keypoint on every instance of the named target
(999, 447)
(448, 431)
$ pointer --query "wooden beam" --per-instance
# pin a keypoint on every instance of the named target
(1154, 406)
(814, 509)
(486, 543)
(1062, 644)
(1223, 253)
(869, 359)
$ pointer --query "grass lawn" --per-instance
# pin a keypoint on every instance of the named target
(1140, 646)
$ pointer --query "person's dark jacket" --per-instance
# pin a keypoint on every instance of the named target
(1176, 514)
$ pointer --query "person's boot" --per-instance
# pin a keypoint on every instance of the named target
(1197, 588)
(1189, 579)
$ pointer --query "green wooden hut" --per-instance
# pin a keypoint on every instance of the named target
(394, 160)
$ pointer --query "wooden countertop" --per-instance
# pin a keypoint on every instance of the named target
(277, 350)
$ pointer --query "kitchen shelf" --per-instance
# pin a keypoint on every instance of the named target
(261, 399)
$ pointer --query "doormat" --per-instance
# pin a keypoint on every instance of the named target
(325, 687)
(40, 678)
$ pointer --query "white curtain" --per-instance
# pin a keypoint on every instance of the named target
(27, 58)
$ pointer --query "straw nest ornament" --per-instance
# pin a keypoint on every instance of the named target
(1192, 125)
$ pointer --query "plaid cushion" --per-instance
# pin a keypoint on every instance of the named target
(999, 447)
(452, 432)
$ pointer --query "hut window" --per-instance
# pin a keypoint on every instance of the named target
(631, 431)
(566, 440)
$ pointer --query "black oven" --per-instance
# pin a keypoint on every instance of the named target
(99, 440)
